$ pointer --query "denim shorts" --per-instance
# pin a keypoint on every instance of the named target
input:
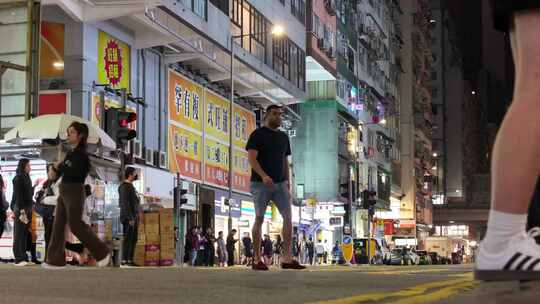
(279, 194)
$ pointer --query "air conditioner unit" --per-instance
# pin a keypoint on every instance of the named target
(137, 149)
(156, 158)
(163, 163)
(149, 156)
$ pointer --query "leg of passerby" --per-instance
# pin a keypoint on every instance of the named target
(258, 264)
(513, 178)
(193, 260)
(20, 235)
(126, 242)
(47, 224)
(230, 257)
(134, 235)
(74, 198)
(56, 250)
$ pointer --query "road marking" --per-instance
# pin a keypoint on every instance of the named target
(439, 295)
(413, 291)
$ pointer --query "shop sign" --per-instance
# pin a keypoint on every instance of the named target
(113, 62)
(243, 223)
(216, 117)
(216, 163)
(185, 147)
(243, 126)
(186, 104)
(242, 171)
(407, 224)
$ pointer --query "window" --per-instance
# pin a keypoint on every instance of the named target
(351, 59)
(317, 28)
(248, 21)
(289, 61)
(199, 7)
(298, 9)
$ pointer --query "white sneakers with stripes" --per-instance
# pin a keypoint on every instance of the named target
(520, 260)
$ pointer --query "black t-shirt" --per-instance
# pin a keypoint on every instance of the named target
(75, 167)
(273, 147)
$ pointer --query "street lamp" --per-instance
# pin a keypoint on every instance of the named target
(276, 31)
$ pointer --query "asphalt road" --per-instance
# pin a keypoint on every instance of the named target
(325, 284)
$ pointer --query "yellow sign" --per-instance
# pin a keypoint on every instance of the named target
(216, 163)
(242, 171)
(217, 116)
(185, 99)
(185, 147)
(243, 126)
(113, 62)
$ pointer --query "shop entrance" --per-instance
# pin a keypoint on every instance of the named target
(207, 206)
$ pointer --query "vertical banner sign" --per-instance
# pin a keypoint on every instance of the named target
(216, 139)
(185, 104)
(242, 171)
(216, 163)
(113, 62)
(243, 126)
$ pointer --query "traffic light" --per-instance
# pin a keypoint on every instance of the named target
(368, 199)
(179, 198)
(117, 125)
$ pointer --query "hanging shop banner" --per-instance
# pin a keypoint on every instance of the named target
(113, 62)
(216, 163)
(51, 56)
(109, 103)
(216, 116)
(243, 126)
(242, 171)
(185, 147)
(185, 102)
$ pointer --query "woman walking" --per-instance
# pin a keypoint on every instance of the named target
(278, 248)
(69, 209)
(21, 204)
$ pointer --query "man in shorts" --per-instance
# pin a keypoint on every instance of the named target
(268, 149)
(508, 252)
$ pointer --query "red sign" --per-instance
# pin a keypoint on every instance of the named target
(113, 62)
(54, 102)
(388, 227)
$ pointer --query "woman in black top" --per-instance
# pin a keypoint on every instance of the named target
(3, 207)
(70, 206)
(21, 204)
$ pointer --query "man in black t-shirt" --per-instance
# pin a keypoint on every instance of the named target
(268, 149)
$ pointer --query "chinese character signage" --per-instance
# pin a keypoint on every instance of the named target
(242, 171)
(113, 62)
(185, 147)
(186, 104)
(216, 116)
(243, 126)
(216, 163)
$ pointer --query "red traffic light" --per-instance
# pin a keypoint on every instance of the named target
(124, 118)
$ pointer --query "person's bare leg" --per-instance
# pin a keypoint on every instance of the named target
(287, 238)
(256, 231)
(516, 154)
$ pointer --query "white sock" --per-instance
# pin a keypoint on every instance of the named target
(501, 227)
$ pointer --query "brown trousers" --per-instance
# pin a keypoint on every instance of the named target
(69, 210)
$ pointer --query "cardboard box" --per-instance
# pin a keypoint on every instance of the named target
(151, 219)
(141, 228)
(151, 229)
(141, 240)
(167, 238)
(152, 238)
(152, 247)
(152, 258)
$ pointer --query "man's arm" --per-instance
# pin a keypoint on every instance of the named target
(254, 163)
(286, 168)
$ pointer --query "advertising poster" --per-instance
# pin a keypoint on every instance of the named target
(113, 62)
(217, 117)
(185, 147)
(185, 99)
(243, 126)
(216, 163)
(241, 170)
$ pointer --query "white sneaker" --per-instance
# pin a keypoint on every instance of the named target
(519, 261)
(104, 262)
(53, 267)
(21, 264)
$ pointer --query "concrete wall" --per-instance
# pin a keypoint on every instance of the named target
(406, 114)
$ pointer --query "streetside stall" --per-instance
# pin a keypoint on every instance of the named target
(42, 140)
